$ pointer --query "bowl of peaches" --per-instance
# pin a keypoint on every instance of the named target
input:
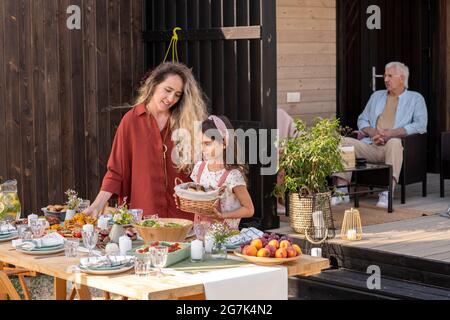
(269, 250)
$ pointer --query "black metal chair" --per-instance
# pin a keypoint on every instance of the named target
(445, 160)
(414, 168)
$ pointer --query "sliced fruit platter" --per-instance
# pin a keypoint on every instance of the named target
(271, 249)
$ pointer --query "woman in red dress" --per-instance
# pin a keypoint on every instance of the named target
(145, 160)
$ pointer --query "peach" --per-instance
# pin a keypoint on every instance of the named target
(297, 248)
(250, 251)
(281, 253)
(274, 243)
(285, 244)
(257, 243)
(263, 253)
(291, 252)
(271, 249)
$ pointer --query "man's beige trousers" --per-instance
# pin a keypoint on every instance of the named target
(391, 153)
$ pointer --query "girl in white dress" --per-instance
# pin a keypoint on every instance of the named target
(217, 171)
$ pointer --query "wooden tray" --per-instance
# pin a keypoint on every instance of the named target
(262, 261)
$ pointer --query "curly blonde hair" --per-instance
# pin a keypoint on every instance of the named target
(189, 110)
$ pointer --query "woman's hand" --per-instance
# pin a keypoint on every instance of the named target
(175, 197)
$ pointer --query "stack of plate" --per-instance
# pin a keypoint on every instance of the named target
(43, 250)
(8, 235)
(106, 265)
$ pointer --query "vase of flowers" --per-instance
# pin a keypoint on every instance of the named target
(73, 202)
(219, 231)
(122, 218)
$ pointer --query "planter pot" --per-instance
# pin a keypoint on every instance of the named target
(70, 214)
(301, 208)
(117, 231)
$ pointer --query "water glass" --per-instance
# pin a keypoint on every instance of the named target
(90, 239)
(24, 232)
(38, 228)
(159, 257)
(137, 214)
(143, 264)
(71, 247)
(200, 230)
(84, 204)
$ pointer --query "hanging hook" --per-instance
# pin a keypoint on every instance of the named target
(175, 35)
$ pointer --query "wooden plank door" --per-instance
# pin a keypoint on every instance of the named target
(405, 36)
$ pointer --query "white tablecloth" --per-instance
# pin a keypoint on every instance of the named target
(246, 283)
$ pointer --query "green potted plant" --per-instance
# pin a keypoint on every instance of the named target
(308, 160)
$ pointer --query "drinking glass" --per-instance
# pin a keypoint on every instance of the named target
(90, 240)
(24, 232)
(71, 247)
(142, 264)
(137, 214)
(159, 258)
(84, 204)
(200, 230)
(38, 228)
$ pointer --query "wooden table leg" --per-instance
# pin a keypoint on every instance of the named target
(194, 297)
(83, 293)
(60, 289)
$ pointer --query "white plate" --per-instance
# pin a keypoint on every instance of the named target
(105, 272)
(12, 237)
(40, 253)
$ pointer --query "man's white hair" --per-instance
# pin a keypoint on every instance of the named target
(402, 68)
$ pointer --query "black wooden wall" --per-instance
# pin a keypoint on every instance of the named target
(231, 46)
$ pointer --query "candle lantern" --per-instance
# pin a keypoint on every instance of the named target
(351, 226)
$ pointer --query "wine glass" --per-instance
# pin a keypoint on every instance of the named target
(90, 239)
(38, 228)
(200, 230)
(159, 258)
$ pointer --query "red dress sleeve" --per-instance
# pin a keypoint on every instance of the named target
(117, 177)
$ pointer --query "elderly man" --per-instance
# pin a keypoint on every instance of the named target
(389, 115)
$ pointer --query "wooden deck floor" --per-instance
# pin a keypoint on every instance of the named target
(423, 237)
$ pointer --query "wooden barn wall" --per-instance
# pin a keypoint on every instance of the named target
(55, 84)
(306, 52)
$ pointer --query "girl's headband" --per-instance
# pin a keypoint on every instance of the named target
(220, 125)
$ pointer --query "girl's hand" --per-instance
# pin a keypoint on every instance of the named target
(218, 214)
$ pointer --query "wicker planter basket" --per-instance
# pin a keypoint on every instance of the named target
(202, 204)
(301, 207)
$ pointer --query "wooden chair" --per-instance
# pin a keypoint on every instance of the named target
(414, 168)
(6, 287)
(445, 160)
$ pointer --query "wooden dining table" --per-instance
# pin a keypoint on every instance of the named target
(127, 284)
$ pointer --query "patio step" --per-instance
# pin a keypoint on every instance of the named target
(343, 284)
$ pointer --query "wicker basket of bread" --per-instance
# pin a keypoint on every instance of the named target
(194, 198)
